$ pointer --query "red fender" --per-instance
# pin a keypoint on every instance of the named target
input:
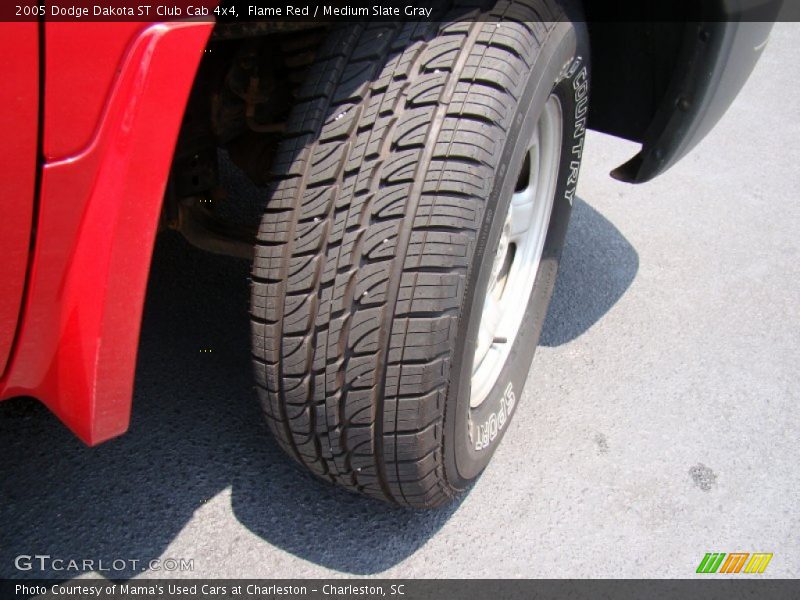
(97, 218)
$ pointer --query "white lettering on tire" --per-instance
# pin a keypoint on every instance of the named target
(580, 85)
(485, 433)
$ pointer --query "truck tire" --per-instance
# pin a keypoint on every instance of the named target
(388, 238)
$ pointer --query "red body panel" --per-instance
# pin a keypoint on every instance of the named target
(98, 214)
(82, 63)
(19, 115)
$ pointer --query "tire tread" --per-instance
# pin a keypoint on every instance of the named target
(376, 197)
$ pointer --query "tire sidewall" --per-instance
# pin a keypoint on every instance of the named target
(472, 435)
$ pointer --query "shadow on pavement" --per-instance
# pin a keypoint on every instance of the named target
(597, 267)
(197, 430)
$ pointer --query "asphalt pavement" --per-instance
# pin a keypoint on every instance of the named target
(659, 422)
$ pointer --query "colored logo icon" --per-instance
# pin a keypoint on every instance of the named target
(736, 562)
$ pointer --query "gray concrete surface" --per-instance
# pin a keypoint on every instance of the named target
(660, 420)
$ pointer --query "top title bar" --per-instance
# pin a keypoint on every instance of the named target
(331, 11)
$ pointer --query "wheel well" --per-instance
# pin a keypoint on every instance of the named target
(633, 64)
(240, 102)
(243, 92)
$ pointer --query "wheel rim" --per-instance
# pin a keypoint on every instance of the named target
(518, 255)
